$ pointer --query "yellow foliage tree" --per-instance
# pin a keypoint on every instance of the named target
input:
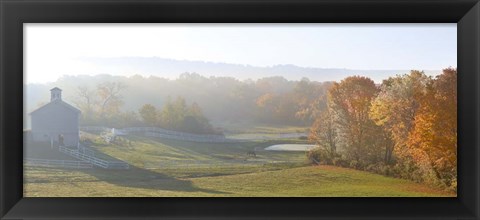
(395, 107)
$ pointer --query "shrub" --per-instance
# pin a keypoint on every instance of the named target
(354, 164)
(340, 161)
(320, 156)
(373, 168)
(303, 138)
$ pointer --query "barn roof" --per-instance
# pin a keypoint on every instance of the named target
(59, 102)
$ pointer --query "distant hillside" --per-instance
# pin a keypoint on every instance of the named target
(161, 67)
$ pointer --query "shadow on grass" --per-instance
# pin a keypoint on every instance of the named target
(136, 177)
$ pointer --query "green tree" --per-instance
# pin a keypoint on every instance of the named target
(148, 113)
(167, 115)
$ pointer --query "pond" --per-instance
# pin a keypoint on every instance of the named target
(290, 147)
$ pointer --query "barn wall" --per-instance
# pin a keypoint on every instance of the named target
(53, 120)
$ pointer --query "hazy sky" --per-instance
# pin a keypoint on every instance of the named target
(53, 50)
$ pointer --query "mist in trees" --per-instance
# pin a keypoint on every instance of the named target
(116, 101)
(177, 115)
(102, 104)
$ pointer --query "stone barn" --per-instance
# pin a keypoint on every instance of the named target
(56, 122)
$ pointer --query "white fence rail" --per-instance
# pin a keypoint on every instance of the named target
(95, 128)
(169, 134)
(94, 160)
(58, 163)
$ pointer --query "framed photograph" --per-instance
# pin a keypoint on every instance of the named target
(239, 109)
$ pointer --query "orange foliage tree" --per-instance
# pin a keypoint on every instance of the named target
(434, 135)
(350, 101)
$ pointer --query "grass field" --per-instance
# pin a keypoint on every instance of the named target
(259, 128)
(162, 167)
(191, 159)
(323, 181)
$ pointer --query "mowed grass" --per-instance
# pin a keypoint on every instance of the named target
(310, 181)
(170, 168)
(192, 159)
(259, 128)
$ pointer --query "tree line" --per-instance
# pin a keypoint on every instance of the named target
(177, 115)
(405, 127)
(116, 101)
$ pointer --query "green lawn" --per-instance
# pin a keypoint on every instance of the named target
(322, 181)
(191, 159)
(259, 128)
(162, 167)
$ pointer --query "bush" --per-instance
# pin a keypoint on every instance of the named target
(386, 170)
(340, 162)
(379, 168)
(303, 138)
(354, 164)
(320, 156)
(373, 168)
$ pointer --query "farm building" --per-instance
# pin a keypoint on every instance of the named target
(56, 122)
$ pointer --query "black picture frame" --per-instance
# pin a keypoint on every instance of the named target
(14, 13)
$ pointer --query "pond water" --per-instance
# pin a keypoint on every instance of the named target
(291, 147)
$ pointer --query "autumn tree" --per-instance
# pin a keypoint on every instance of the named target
(324, 133)
(277, 108)
(86, 102)
(350, 101)
(310, 99)
(110, 99)
(394, 109)
(101, 105)
(435, 130)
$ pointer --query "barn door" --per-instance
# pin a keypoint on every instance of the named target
(60, 140)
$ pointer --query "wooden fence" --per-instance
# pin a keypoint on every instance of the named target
(94, 160)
